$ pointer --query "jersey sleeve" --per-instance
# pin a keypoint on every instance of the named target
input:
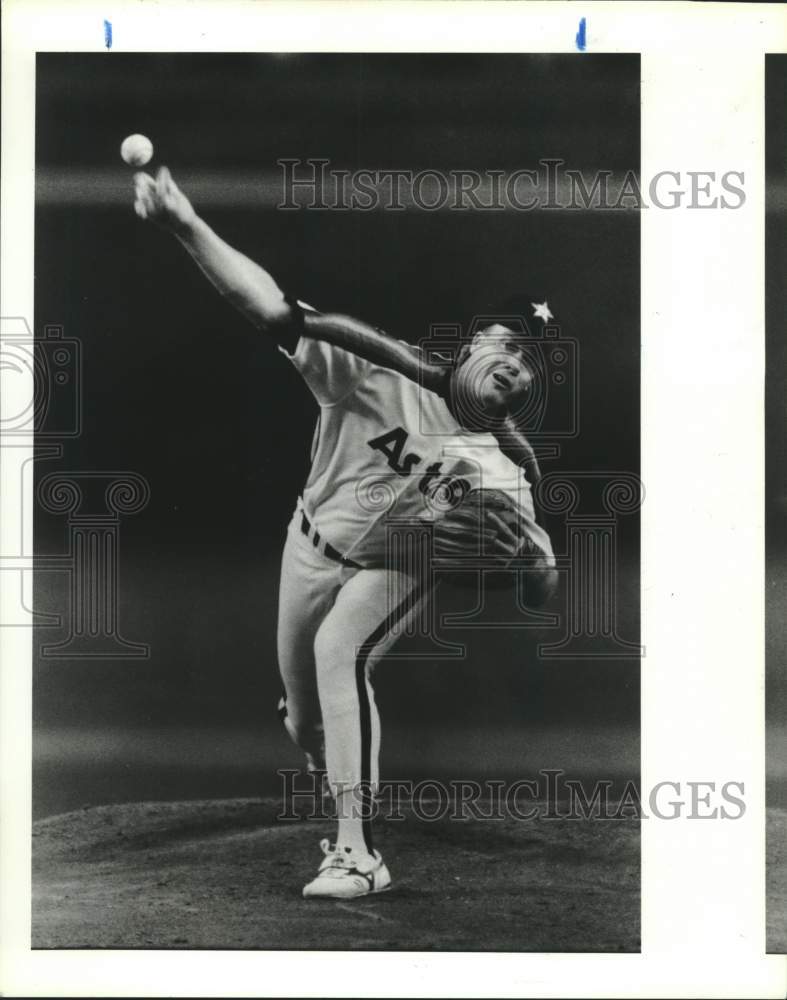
(330, 372)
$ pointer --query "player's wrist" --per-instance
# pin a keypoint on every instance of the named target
(188, 227)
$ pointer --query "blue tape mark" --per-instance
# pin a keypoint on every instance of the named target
(581, 38)
(108, 34)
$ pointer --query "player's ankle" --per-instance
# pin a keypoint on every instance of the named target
(357, 850)
(350, 840)
(349, 843)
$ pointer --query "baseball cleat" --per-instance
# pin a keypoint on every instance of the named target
(346, 874)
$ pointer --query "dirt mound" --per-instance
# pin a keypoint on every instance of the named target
(226, 874)
(776, 878)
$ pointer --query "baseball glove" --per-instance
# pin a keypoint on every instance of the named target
(486, 531)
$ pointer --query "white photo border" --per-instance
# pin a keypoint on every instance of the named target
(703, 927)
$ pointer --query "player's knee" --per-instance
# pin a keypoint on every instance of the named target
(337, 675)
(333, 653)
(335, 656)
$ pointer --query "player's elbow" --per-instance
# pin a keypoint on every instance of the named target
(279, 318)
(272, 315)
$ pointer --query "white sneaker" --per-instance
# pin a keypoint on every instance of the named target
(346, 874)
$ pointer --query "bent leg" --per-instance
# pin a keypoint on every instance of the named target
(307, 589)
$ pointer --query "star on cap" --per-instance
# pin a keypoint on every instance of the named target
(542, 311)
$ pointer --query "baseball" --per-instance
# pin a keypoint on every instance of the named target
(136, 150)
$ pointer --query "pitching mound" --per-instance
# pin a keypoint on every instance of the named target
(776, 877)
(226, 874)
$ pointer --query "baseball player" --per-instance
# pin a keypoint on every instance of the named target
(391, 441)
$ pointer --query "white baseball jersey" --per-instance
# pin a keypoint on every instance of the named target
(386, 447)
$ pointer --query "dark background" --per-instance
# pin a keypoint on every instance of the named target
(179, 389)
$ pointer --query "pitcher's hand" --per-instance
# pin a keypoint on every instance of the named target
(161, 201)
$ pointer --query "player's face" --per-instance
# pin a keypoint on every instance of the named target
(501, 377)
